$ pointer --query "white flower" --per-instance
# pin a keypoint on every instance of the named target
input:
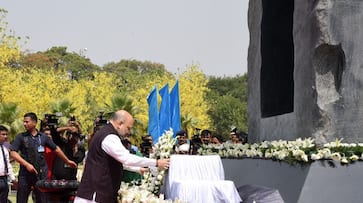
(152, 181)
(293, 151)
(316, 156)
(326, 153)
(354, 157)
(304, 157)
(344, 160)
(336, 156)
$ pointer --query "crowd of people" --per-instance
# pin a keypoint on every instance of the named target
(53, 153)
(185, 145)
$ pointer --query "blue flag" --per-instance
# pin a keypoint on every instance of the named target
(153, 127)
(175, 108)
(164, 114)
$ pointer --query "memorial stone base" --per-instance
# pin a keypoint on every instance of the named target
(320, 181)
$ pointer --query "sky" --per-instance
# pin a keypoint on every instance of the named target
(212, 34)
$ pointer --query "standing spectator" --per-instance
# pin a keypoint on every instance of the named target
(147, 145)
(31, 145)
(235, 139)
(195, 142)
(6, 170)
(238, 137)
(102, 175)
(182, 145)
(217, 139)
(49, 154)
(206, 137)
(243, 137)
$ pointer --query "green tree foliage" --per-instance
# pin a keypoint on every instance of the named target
(64, 107)
(228, 100)
(228, 111)
(189, 122)
(75, 65)
(234, 86)
(134, 65)
(120, 102)
(10, 118)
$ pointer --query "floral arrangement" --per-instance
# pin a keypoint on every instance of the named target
(297, 151)
(149, 188)
(138, 194)
(154, 179)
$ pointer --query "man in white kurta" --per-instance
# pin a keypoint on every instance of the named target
(101, 179)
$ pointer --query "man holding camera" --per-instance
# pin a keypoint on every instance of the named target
(72, 146)
(31, 145)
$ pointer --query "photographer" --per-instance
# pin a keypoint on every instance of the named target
(70, 140)
(98, 124)
(147, 145)
(196, 142)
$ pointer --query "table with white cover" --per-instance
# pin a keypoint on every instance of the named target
(199, 179)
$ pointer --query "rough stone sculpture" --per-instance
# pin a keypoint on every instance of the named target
(305, 70)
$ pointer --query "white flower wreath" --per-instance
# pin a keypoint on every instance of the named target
(151, 184)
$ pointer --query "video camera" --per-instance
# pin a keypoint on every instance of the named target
(195, 142)
(146, 146)
(50, 120)
(100, 121)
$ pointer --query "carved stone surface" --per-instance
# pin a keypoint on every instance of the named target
(325, 64)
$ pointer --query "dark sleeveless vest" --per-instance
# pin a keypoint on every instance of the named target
(102, 174)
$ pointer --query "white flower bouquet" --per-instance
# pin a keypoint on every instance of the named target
(149, 189)
(297, 151)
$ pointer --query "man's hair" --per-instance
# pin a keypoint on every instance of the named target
(32, 116)
(114, 116)
(206, 133)
(3, 128)
(119, 115)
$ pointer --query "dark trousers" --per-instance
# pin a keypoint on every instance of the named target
(4, 189)
(25, 185)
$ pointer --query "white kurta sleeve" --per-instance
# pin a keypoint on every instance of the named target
(135, 169)
(10, 167)
(112, 146)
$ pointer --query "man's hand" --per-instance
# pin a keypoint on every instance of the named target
(142, 170)
(31, 168)
(163, 163)
(72, 164)
(14, 185)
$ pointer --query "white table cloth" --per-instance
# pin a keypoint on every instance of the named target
(199, 179)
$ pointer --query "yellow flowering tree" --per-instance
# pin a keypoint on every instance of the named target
(9, 48)
(193, 87)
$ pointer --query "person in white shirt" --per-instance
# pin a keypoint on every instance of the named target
(106, 156)
(6, 170)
